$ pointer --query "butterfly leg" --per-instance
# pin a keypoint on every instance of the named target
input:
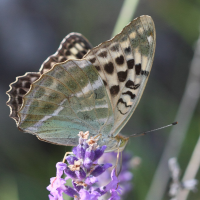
(66, 155)
(99, 135)
(118, 161)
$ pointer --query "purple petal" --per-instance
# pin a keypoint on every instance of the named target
(60, 167)
(77, 187)
(91, 180)
(70, 159)
(114, 195)
(99, 152)
(87, 163)
(70, 173)
(70, 191)
(113, 183)
(80, 151)
(89, 153)
(100, 169)
(84, 194)
(80, 174)
(85, 144)
(56, 183)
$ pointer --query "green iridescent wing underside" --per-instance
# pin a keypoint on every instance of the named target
(68, 98)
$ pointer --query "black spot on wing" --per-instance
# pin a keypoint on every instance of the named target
(103, 54)
(71, 45)
(130, 94)
(127, 50)
(98, 68)
(109, 68)
(83, 52)
(104, 82)
(138, 69)
(67, 53)
(92, 60)
(21, 91)
(61, 58)
(136, 86)
(130, 84)
(124, 103)
(131, 63)
(114, 90)
(143, 72)
(120, 60)
(122, 75)
(115, 48)
(79, 55)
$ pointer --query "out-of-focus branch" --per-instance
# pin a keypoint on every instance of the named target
(191, 170)
(126, 14)
(184, 115)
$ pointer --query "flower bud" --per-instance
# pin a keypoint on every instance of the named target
(99, 152)
(87, 163)
(80, 174)
(70, 191)
(99, 169)
(77, 187)
(70, 159)
(80, 151)
(70, 173)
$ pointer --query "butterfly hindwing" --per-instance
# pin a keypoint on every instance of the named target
(68, 98)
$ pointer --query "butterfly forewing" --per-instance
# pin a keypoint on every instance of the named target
(73, 46)
(124, 63)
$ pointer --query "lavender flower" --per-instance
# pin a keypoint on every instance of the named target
(125, 175)
(177, 185)
(83, 169)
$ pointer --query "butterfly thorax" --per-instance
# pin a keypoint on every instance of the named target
(122, 142)
(117, 143)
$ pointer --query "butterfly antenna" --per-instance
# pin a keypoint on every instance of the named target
(144, 133)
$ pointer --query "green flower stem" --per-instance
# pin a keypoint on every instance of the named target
(126, 15)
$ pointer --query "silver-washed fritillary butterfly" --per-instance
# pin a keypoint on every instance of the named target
(80, 88)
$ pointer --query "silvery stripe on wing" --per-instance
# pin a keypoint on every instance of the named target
(55, 113)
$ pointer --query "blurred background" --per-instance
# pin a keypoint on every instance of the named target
(32, 30)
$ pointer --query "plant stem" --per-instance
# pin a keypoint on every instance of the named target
(191, 170)
(126, 15)
(175, 141)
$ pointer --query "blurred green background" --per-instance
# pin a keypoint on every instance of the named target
(32, 30)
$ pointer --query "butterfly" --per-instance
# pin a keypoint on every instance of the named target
(80, 88)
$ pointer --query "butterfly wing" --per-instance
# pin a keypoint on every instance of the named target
(98, 93)
(73, 46)
(124, 64)
(68, 98)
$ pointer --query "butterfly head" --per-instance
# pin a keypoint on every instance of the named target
(122, 142)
